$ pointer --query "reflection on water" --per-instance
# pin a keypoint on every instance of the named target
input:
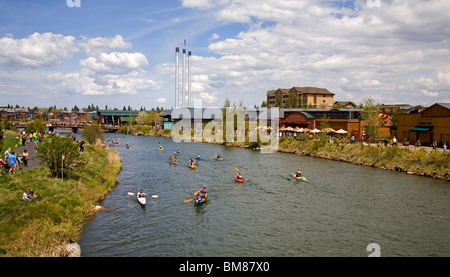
(339, 212)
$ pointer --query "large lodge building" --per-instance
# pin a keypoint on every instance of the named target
(307, 96)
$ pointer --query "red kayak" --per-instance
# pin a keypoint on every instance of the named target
(239, 180)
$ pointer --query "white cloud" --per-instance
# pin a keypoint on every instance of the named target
(214, 36)
(36, 50)
(109, 84)
(115, 63)
(207, 97)
(429, 93)
(161, 100)
(398, 52)
(198, 4)
(97, 45)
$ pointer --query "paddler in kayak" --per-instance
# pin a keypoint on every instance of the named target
(172, 158)
(199, 199)
(239, 176)
(299, 173)
(201, 195)
(141, 193)
(218, 156)
(191, 161)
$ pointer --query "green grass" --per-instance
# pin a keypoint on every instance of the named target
(33, 229)
(9, 143)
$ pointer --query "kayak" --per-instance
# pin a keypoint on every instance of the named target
(298, 178)
(219, 159)
(196, 203)
(198, 158)
(160, 149)
(173, 162)
(193, 166)
(141, 200)
(175, 153)
(239, 180)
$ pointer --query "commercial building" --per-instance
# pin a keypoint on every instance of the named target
(346, 119)
(433, 123)
(115, 117)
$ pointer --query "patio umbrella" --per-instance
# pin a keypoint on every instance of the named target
(328, 130)
(289, 129)
(315, 130)
(341, 131)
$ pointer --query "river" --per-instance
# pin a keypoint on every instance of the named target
(339, 212)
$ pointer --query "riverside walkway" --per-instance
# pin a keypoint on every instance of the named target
(33, 160)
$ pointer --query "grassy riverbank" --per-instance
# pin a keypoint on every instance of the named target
(35, 229)
(144, 130)
(434, 164)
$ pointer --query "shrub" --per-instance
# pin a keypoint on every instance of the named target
(53, 149)
(93, 132)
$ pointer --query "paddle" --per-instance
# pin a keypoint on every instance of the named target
(189, 200)
(238, 171)
(152, 195)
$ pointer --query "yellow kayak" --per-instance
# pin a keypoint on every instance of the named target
(220, 159)
(193, 166)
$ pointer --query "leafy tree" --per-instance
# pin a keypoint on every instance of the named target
(292, 101)
(153, 118)
(227, 103)
(36, 126)
(93, 132)
(371, 118)
(324, 123)
(394, 118)
(141, 118)
(53, 149)
(278, 100)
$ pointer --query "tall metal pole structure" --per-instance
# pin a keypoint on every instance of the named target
(189, 79)
(183, 98)
(177, 82)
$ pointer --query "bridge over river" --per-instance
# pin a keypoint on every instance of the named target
(74, 126)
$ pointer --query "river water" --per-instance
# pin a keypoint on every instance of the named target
(339, 212)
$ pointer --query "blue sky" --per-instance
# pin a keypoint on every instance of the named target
(121, 53)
